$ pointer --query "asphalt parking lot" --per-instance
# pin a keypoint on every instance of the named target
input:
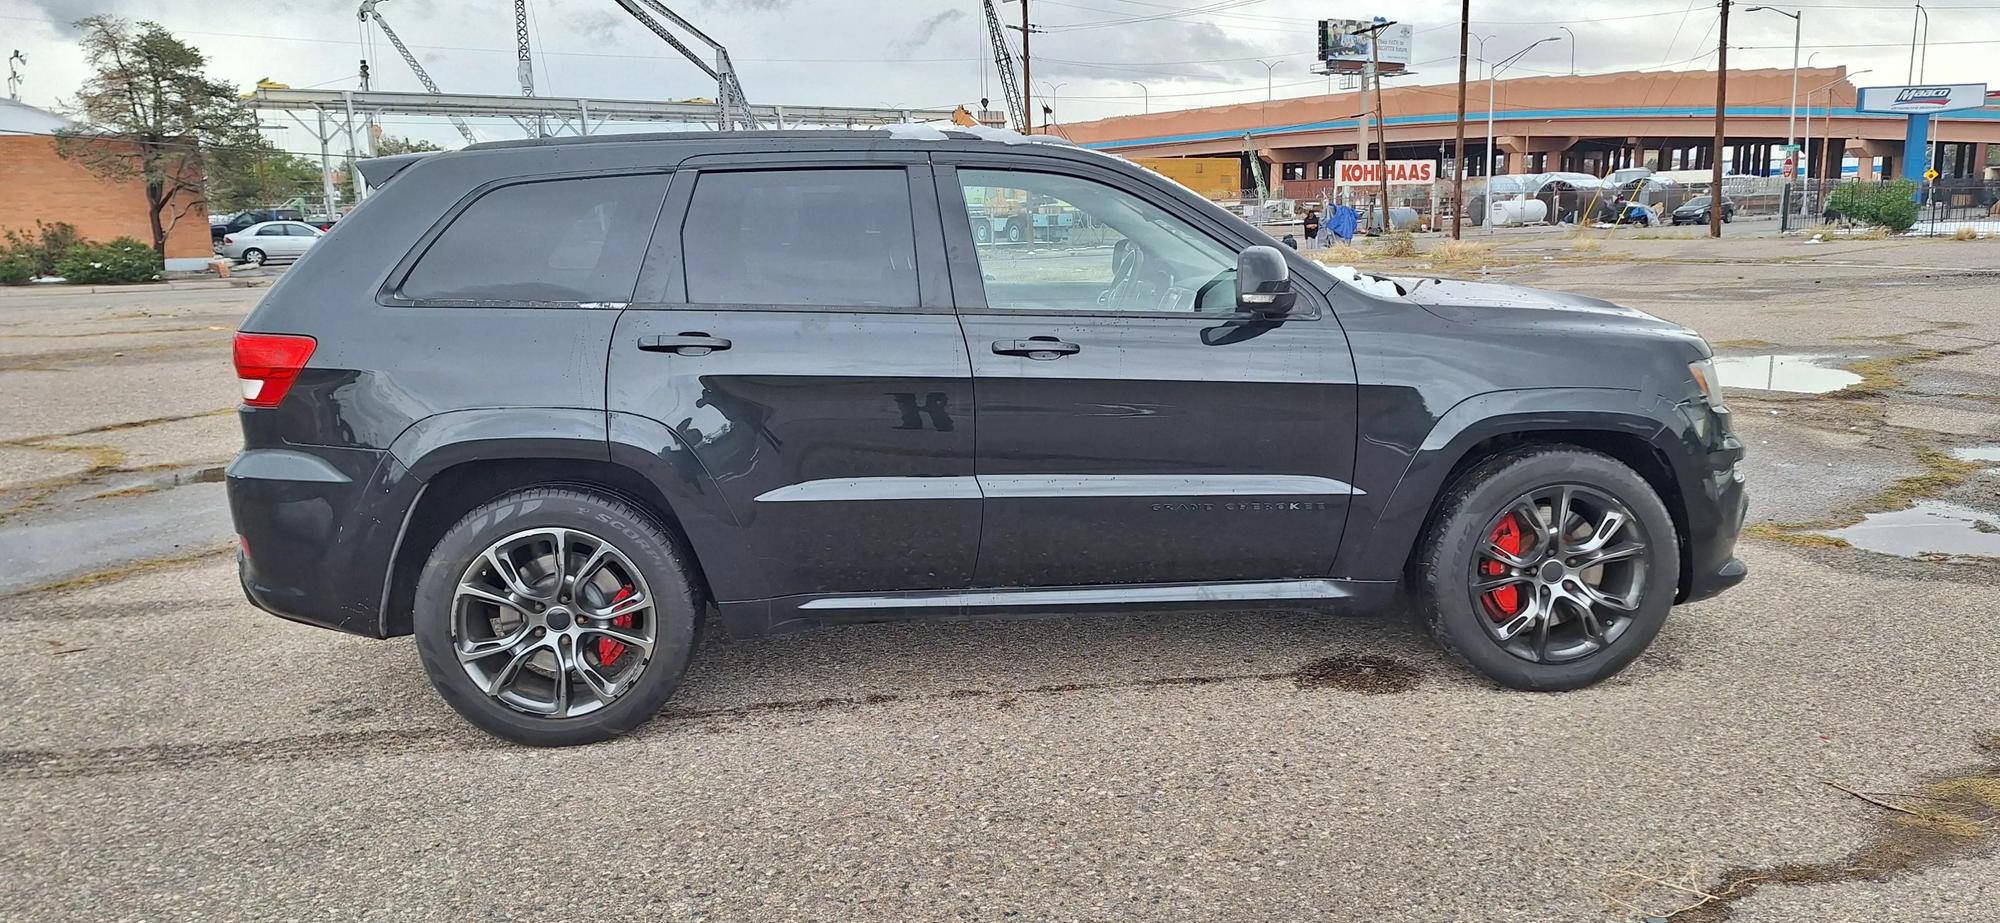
(1822, 743)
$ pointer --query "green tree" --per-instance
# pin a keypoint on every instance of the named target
(151, 115)
(259, 174)
(390, 144)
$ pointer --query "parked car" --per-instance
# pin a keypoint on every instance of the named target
(244, 219)
(1696, 211)
(270, 240)
(545, 403)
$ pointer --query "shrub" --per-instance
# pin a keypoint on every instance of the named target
(1896, 206)
(15, 269)
(43, 247)
(1885, 205)
(122, 260)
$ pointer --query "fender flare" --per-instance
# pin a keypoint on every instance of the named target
(1381, 534)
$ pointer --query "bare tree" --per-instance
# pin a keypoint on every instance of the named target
(150, 114)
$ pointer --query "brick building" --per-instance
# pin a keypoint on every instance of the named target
(36, 183)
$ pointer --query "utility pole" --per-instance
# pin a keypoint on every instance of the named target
(1027, 74)
(1458, 172)
(1721, 100)
(1381, 129)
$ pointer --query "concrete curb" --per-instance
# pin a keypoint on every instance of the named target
(177, 285)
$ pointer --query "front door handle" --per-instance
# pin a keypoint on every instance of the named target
(686, 344)
(1043, 348)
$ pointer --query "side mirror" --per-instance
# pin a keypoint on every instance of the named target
(1264, 282)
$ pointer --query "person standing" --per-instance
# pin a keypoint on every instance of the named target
(1311, 222)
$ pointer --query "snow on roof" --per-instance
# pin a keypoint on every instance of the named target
(19, 118)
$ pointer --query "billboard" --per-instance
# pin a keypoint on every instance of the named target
(1369, 173)
(1917, 100)
(1344, 50)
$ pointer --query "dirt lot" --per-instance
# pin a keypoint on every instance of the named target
(1821, 744)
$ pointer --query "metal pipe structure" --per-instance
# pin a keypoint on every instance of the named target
(472, 105)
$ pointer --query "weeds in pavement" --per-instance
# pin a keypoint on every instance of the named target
(1460, 254)
(1585, 244)
(1338, 255)
(1786, 534)
(1395, 246)
(1953, 818)
(1965, 233)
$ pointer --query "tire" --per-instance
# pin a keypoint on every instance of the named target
(1450, 559)
(982, 232)
(253, 256)
(644, 561)
(1014, 232)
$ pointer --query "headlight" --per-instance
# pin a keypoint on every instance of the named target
(1703, 373)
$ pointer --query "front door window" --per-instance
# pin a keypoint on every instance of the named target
(1049, 242)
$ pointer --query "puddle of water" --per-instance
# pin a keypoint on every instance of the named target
(1796, 373)
(1979, 453)
(1929, 527)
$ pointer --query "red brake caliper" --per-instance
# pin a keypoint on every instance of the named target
(608, 651)
(1504, 602)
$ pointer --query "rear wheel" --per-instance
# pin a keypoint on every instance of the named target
(555, 616)
(1548, 568)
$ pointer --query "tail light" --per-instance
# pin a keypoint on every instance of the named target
(228, 239)
(268, 363)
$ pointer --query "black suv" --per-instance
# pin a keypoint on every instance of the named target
(543, 403)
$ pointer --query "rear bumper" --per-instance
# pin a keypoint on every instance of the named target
(311, 550)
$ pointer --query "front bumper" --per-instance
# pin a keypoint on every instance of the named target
(1715, 503)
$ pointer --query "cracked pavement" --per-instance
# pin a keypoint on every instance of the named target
(175, 754)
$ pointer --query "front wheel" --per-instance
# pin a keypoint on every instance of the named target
(1548, 568)
(253, 256)
(555, 616)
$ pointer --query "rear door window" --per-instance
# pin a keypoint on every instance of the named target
(809, 237)
(553, 241)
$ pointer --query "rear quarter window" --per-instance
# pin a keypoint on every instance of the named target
(548, 241)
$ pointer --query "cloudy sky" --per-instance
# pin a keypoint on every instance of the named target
(932, 53)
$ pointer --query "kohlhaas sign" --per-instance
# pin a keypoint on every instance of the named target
(1922, 100)
(1369, 172)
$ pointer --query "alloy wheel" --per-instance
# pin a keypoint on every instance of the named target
(1560, 573)
(553, 622)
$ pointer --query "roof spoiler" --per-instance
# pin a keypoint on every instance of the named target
(378, 171)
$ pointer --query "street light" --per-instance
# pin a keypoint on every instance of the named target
(1838, 162)
(1145, 97)
(1270, 68)
(1493, 78)
(1572, 52)
(1924, 14)
(1792, 121)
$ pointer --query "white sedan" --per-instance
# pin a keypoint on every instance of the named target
(269, 240)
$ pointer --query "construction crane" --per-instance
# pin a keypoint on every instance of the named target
(525, 65)
(1010, 88)
(729, 99)
(368, 12)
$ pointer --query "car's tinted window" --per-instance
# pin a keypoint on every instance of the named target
(1051, 242)
(553, 241)
(271, 230)
(300, 230)
(801, 237)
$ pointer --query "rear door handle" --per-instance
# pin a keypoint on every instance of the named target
(1043, 348)
(686, 344)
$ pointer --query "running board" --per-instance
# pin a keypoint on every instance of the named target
(750, 618)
